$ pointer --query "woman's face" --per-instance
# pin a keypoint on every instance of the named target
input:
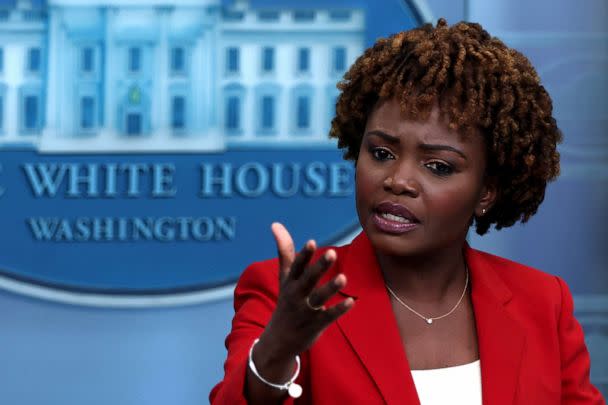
(418, 183)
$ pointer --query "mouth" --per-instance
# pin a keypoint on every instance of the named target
(395, 212)
(394, 218)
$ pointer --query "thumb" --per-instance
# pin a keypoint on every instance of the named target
(285, 248)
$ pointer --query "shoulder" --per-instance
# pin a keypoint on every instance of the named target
(542, 305)
(528, 285)
(512, 271)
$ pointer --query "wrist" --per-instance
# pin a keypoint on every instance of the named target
(268, 354)
(270, 351)
(287, 384)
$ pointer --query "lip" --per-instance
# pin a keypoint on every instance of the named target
(394, 227)
(396, 209)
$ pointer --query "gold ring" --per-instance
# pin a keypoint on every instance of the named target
(314, 308)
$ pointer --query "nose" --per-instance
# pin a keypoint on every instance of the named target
(401, 183)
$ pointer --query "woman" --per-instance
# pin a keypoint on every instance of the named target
(448, 129)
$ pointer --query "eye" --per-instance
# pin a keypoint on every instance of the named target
(382, 154)
(440, 168)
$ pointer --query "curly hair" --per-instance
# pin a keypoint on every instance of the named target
(479, 84)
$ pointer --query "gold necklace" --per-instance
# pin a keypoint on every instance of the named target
(429, 320)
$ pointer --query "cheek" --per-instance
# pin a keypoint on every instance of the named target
(367, 182)
(454, 205)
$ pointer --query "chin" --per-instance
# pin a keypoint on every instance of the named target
(394, 245)
(411, 244)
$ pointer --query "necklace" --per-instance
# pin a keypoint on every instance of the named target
(430, 320)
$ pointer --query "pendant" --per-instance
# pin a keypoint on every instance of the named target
(429, 320)
(295, 390)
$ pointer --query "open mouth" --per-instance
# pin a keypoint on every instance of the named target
(395, 212)
(394, 218)
(397, 218)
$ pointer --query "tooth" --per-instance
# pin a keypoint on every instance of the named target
(396, 218)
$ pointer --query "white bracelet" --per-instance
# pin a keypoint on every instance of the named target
(294, 390)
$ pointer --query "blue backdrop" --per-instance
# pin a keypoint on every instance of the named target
(71, 348)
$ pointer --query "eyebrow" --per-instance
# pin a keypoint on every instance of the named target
(432, 147)
(424, 146)
(384, 135)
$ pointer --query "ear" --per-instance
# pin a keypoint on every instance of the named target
(487, 197)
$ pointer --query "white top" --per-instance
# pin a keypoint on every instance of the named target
(459, 385)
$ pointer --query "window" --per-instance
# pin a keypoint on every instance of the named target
(301, 109)
(303, 60)
(1, 60)
(134, 59)
(33, 15)
(87, 61)
(330, 99)
(339, 59)
(233, 102)
(87, 112)
(303, 112)
(232, 60)
(267, 59)
(177, 58)
(333, 102)
(31, 112)
(33, 60)
(267, 112)
(268, 16)
(233, 113)
(133, 124)
(340, 15)
(232, 16)
(267, 106)
(304, 16)
(178, 112)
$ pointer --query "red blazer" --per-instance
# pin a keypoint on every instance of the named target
(530, 346)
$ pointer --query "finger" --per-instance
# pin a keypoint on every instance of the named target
(312, 274)
(302, 259)
(333, 313)
(320, 295)
(285, 248)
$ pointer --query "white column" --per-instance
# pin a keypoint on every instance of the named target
(109, 85)
(214, 59)
(196, 74)
(160, 120)
(53, 101)
(13, 76)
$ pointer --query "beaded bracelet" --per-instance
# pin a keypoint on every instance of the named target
(294, 390)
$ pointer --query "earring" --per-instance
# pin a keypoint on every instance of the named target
(483, 211)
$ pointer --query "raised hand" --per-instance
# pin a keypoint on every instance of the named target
(300, 315)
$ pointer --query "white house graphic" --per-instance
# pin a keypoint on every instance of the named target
(159, 76)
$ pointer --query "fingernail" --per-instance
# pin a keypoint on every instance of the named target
(330, 255)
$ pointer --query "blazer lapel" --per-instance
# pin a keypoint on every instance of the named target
(500, 338)
(371, 328)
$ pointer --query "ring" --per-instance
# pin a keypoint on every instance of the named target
(314, 308)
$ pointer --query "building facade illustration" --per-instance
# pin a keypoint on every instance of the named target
(182, 76)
